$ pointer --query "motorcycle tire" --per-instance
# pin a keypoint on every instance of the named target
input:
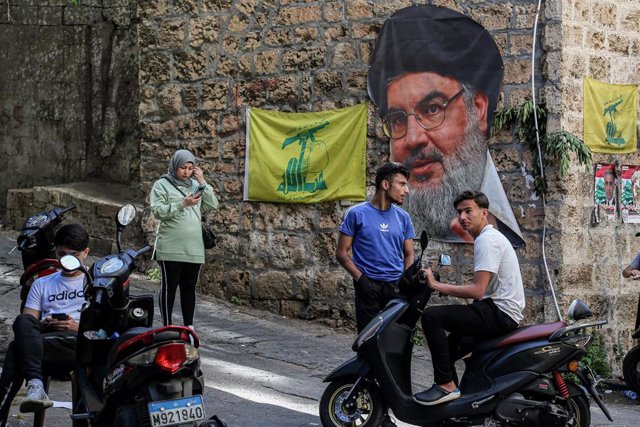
(631, 368)
(371, 407)
(578, 406)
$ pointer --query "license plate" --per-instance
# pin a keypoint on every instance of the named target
(177, 411)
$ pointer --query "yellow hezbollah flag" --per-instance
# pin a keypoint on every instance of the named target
(306, 157)
(610, 117)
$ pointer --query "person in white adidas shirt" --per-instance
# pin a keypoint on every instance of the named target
(497, 290)
(39, 337)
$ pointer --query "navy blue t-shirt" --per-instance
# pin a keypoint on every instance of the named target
(378, 239)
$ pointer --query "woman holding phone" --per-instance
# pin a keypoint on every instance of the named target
(178, 199)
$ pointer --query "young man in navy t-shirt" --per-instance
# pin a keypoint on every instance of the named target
(379, 234)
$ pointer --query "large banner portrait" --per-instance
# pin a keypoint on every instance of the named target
(604, 194)
(630, 194)
(435, 76)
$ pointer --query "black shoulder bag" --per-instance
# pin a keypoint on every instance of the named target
(208, 238)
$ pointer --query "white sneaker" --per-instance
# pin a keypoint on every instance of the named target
(36, 399)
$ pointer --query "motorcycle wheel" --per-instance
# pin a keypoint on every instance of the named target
(578, 407)
(631, 368)
(370, 409)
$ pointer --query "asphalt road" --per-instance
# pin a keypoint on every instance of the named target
(260, 369)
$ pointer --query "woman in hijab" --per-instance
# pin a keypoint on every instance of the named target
(177, 200)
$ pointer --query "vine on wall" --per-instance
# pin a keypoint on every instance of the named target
(555, 147)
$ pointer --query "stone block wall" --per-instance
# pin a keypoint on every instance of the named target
(97, 204)
(68, 93)
(601, 40)
(202, 62)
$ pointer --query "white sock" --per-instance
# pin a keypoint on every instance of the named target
(35, 381)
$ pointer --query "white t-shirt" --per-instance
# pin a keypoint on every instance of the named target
(492, 252)
(56, 293)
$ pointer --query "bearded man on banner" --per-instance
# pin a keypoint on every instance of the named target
(435, 76)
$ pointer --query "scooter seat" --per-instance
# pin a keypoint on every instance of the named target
(522, 334)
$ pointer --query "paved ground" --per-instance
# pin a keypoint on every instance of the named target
(260, 369)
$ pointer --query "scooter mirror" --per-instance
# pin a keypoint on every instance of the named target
(579, 310)
(70, 263)
(126, 214)
(445, 260)
(424, 239)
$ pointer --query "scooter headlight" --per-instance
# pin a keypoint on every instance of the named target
(368, 332)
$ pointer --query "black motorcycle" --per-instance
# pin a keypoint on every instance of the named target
(129, 373)
(525, 378)
(35, 243)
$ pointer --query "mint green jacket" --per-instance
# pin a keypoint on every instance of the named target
(180, 232)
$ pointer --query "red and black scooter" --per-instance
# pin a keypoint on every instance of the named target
(36, 245)
(129, 373)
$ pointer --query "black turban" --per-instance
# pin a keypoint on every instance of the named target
(435, 39)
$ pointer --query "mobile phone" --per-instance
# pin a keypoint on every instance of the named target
(199, 191)
(59, 316)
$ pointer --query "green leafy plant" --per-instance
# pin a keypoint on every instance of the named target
(154, 274)
(597, 357)
(234, 300)
(555, 147)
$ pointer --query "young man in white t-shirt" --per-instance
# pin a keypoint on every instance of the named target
(497, 290)
(38, 336)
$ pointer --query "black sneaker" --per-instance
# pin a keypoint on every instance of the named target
(435, 396)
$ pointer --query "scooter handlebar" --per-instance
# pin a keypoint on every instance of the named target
(143, 250)
(67, 209)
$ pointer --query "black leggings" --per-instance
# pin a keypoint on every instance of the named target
(185, 275)
(482, 319)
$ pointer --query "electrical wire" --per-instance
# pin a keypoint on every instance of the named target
(535, 119)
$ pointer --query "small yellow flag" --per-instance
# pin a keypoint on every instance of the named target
(306, 157)
(610, 116)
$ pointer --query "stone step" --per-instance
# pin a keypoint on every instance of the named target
(97, 204)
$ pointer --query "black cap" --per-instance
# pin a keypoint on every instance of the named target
(435, 39)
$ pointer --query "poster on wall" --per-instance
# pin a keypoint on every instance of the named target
(605, 186)
(306, 157)
(435, 77)
(630, 194)
(610, 117)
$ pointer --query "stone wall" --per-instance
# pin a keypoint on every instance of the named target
(203, 62)
(68, 93)
(601, 40)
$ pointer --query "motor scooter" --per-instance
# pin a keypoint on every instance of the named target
(519, 379)
(36, 244)
(37, 248)
(129, 373)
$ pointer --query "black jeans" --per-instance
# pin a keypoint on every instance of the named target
(31, 347)
(371, 297)
(482, 319)
(182, 274)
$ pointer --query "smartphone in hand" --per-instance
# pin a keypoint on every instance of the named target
(59, 316)
(199, 191)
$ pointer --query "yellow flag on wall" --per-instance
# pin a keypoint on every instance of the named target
(306, 157)
(610, 116)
